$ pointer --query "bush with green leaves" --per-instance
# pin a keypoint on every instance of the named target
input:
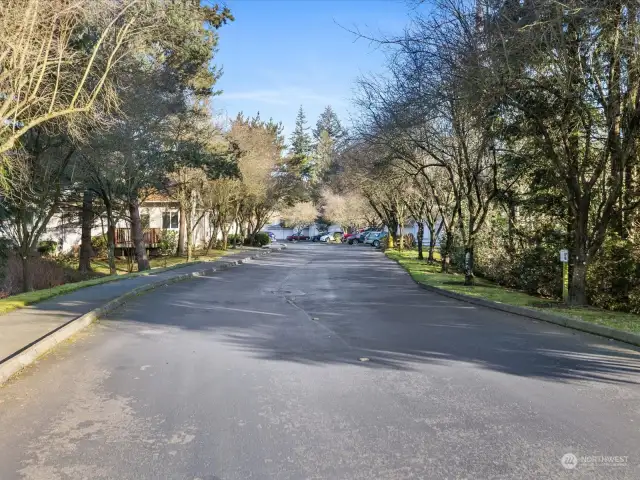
(531, 263)
(613, 278)
(99, 245)
(239, 239)
(47, 247)
(261, 239)
(168, 244)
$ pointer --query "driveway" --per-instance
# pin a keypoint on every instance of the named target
(322, 362)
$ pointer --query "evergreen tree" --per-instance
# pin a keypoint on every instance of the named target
(300, 139)
(330, 123)
(300, 162)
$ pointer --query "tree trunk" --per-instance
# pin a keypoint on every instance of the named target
(137, 235)
(579, 254)
(225, 236)
(420, 236)
(393, 234)
(86, 252)
(511, 246)
(182, 231)
(446, 255)
(577, 288)
(235, 237)
(212, 239)
(189, 239)
(432, 244)
(111, 239)
(242, 231)
(468, 264)
(27, 278)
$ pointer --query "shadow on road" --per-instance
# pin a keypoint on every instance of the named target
(323, 306)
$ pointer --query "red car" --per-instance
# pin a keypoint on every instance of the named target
(291, 238)
(347, 236)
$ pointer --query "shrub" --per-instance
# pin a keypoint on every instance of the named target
(99, 245)
(239, 239)
(47, 247)
(613, 278)
(384, 243)
(261, 239)
(168, 244)
(409, 240)
(45, 273)
(6, 246)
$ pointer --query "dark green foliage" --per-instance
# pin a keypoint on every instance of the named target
(99, 245)
(6, 246)
(300, 139)
(47, 247)
(329, 123)
(613, 278)
(532, 266)
(234, 239)
(261, 239)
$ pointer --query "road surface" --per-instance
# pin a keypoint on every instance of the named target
(321, 362)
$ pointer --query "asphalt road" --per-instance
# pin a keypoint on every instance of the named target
(321, 362)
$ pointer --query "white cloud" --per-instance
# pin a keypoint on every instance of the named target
(283, 96)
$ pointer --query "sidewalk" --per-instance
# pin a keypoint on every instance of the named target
(21, 328)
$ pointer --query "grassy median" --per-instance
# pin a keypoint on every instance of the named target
(429, 274)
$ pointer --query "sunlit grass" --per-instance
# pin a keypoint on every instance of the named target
(430, 274)
(21, 300)
(101, 266)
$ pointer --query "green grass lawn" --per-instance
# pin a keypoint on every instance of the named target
(429, 274)
(101, 266)
(14, 302)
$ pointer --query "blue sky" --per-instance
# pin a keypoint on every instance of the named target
(280, 54)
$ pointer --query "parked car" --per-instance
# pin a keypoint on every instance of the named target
(316, 238)
(331, 237)
(359, 237)
(291, 238)
(370, 237)
(378, 238)
(348, 236)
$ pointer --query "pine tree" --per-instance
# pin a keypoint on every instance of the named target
(300, 139)
(330, 123)
(328, 138)
(300, 162)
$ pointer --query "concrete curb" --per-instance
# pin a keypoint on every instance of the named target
(31, 352)
(574, 323)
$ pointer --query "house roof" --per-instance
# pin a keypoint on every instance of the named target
(158, 197)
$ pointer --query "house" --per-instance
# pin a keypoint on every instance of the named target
(157, 212)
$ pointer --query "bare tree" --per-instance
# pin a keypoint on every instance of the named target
(39, 187)
(46, 75)
(300, 215)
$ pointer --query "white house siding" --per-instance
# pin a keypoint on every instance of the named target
(69, 236)
(59, 230)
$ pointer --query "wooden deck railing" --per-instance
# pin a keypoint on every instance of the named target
(151, 237)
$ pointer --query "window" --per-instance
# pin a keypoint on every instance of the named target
(169, 220)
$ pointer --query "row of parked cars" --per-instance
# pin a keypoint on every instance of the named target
(368, 236)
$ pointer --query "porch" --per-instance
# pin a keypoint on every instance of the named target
(151, 237)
